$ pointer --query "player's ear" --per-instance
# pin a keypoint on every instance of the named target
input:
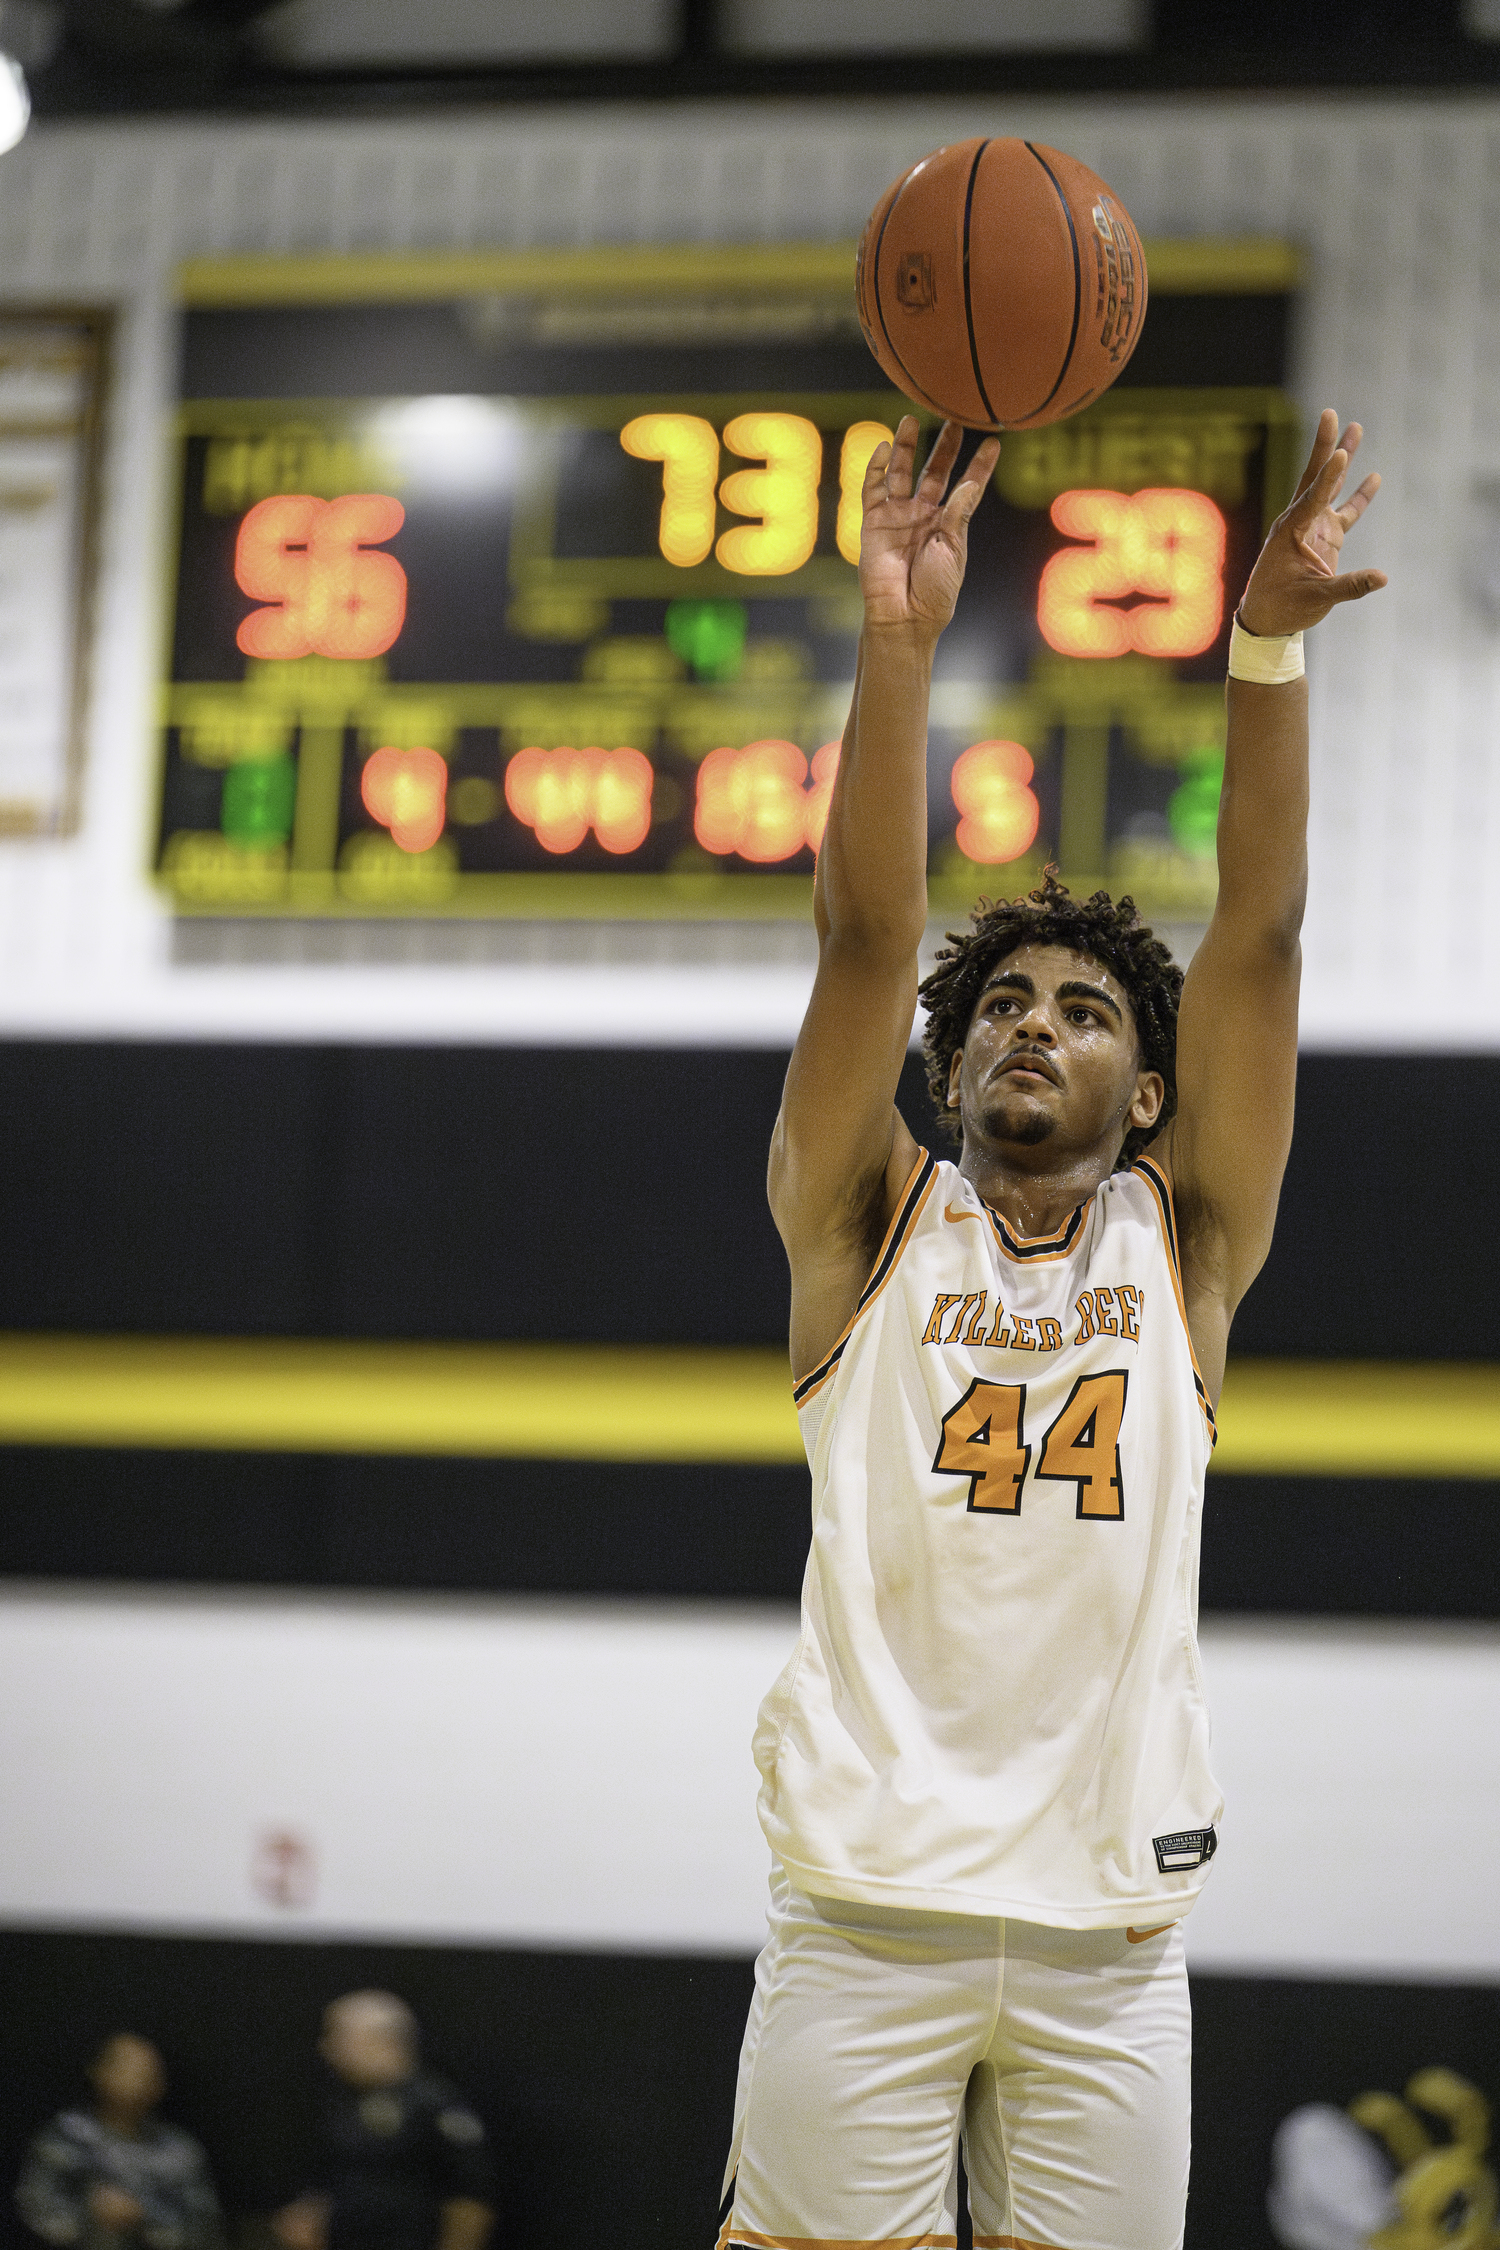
(1150, 1093)
(955, 1072)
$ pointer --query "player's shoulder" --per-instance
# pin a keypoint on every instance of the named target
(928, 1186)
(927, 1168)
(1143, 1194)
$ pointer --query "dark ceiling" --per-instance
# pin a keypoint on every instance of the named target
(92, 58)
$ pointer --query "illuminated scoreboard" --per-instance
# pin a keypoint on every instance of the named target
(526, 586)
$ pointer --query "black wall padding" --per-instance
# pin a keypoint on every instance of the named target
(619, 1195)
(611, 1195)
(512, 1527)
(1352, 1546)
(1300, 1546)
(608, 2082)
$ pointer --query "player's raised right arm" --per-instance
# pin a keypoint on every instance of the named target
(840, 1153)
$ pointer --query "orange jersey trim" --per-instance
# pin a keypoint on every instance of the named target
(916, 1188)
(1166, 1219)
(1006, 2242)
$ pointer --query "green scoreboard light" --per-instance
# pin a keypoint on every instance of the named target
(526, 585)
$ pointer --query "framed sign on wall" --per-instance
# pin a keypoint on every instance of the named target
(526, 585)
(53, 364)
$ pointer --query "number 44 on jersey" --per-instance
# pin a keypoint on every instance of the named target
(984, 1440)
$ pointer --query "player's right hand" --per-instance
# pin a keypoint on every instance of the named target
(914, 542)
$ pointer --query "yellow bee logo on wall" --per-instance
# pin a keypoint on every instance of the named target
(1331, 2188)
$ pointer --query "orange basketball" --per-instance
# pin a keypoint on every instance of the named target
(1001, 283)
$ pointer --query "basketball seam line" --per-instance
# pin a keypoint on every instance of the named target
(1077, 282)
(984, 395)
(917, 390)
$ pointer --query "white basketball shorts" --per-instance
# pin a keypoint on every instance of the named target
(878, 2037)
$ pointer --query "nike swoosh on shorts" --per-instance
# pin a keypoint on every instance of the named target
(1139, 1937)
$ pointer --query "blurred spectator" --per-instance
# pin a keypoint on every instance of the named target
(405, 2165)
(115, 2175)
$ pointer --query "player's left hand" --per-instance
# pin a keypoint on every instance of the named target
(1296, 582)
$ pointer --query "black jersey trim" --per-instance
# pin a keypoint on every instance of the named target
(1203, 1401)
(919, 1184)
(1156, 1179)
(1033, 1249)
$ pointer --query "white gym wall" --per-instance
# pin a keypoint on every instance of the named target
(578, 1774)
(1398, 204)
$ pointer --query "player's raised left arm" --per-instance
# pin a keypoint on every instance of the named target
(1227, 1146)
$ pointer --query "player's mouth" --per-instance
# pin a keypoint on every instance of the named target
(1030, 1067)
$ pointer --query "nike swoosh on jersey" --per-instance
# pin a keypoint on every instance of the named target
(955, 1216)
(1139, 1937)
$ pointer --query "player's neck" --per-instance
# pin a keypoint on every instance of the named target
(1040, 1196)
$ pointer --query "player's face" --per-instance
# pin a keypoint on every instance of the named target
(1052, 1061)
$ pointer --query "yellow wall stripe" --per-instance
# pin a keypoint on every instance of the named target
(1360, 1418)
(1235, 264)
(610, 1403)
(560, 1402)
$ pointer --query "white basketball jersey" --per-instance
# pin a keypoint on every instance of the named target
(995, 1706)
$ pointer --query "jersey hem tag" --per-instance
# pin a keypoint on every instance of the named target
(1189, 1847)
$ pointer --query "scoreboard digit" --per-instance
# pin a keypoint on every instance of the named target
(545, 602)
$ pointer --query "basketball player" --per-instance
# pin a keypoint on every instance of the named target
(985, 1770)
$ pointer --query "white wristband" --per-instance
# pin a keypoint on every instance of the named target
(1272, 659)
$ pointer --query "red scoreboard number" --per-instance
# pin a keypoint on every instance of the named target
(318, 562)
(1167, 545)
(1144, 572)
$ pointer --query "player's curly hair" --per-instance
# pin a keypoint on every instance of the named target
(1109, 930)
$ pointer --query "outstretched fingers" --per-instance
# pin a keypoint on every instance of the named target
(1324, 489)
(892, 465)
(940, 462)
(1322, 447)
(1317, 500)
(1357, 502)
(875, 473)
(970, 489)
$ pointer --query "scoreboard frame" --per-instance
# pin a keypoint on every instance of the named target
(325, 698)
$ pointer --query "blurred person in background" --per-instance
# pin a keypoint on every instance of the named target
(115, 2175)
(405, 2163)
